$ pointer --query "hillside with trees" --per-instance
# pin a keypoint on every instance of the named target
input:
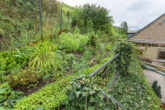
(52, 72)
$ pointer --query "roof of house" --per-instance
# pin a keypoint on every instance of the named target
(148, 41)
(147, 26)
(160, 43)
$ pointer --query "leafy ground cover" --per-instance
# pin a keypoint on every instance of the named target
(134, 91)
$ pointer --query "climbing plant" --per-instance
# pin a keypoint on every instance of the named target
(126, 50)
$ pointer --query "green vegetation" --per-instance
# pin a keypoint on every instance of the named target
(35, 74)
(123, 90)
(126, 50)
(48, 98)
(44, 57)
(156, 88)
(12, 60)
(134, 91)
(20, 24)
(84, 94)
(92, 16)
(73, 42)
(55, 91)
(23, 77)
(8, 97)
(17, 27)
(124, 27)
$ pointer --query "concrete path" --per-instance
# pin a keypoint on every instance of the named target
(152, 76)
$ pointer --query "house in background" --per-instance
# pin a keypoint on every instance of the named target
(151, 40)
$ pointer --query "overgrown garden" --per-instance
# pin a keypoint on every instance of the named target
(53, 73)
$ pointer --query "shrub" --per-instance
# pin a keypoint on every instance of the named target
(83, 94)
(88, 53)
(156, 88)
(69, 43)
(73, 42)
(69, 60)
(3, 77)
(44, 57)
(8, 97)
(23, 78)
(10, 60)
(80, 65)
(109, 46)
(92, 40)
(83, 42)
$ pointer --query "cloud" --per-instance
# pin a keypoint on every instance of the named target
(137, 13)
(139, 5)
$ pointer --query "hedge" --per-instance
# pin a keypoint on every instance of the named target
(48, 98)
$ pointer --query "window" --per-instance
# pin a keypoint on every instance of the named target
(160, 24)
(161, 55)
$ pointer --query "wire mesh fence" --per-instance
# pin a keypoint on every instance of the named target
(21, 24)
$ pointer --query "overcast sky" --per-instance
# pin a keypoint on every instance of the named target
(137, 13)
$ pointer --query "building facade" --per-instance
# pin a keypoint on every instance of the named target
(151, 40)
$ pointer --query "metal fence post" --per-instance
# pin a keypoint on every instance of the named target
(40, 8)
(61, 14)
(68, 16)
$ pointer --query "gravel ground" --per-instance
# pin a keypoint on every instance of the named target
(152, 76)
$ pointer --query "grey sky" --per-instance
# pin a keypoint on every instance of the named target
(137, 13)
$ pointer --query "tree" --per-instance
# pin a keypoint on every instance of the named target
(93, 16)
(84, 15)
(99, 17)
(76, 21)
(124, 27)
